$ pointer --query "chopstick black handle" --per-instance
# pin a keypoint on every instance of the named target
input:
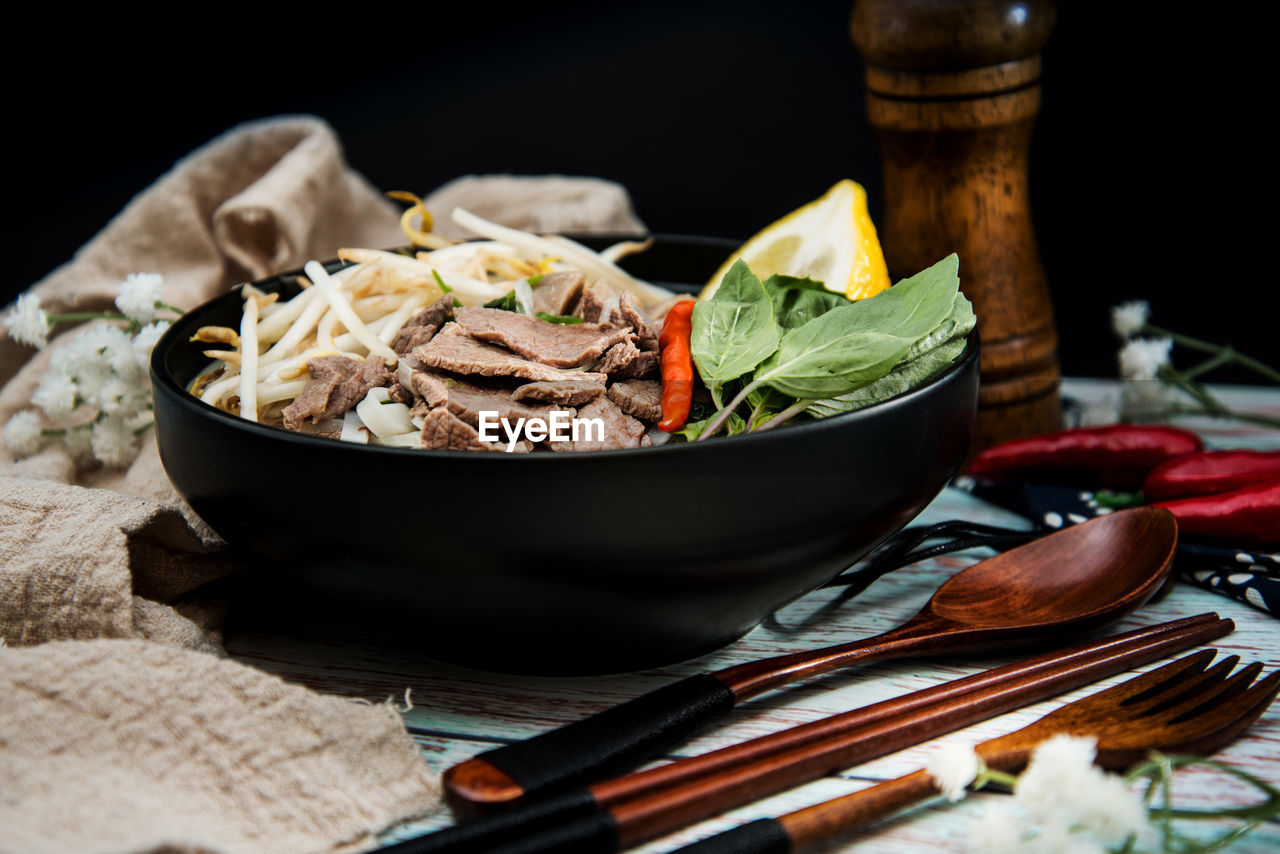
(763, 836)
(570, 819)
(602, 745)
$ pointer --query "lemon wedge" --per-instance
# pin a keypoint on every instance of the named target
(831, 239)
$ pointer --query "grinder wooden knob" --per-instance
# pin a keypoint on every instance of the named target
(952, 92)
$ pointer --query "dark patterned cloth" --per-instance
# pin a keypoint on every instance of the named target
(1248, 575)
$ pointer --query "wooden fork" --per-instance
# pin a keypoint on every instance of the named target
(1183, 707)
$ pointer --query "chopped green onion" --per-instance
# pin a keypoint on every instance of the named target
(440, 281)
(559, 318)
(507, 302)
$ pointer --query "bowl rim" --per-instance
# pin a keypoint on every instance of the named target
(162, 378)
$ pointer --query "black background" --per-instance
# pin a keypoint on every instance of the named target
(1151, 174)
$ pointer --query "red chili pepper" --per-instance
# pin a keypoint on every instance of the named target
(1246, 516)
(1209, 472)
(677, 366)
(1117, 456)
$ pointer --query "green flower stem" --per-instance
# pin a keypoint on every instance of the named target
(1214, 349)
(1210, 405)
(723, 415)
(785, 415)
(1223, 358)
(991, 775)
(173, 308)
(77, 316)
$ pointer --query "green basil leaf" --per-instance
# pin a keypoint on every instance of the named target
(852, 345)
(734, 330)
(898, 381)
(926, 358)
(778, 282)
(794, 307)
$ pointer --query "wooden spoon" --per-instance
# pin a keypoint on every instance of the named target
(1067, 582)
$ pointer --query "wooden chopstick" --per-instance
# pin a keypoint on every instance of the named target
(768, 765)
(634, 808)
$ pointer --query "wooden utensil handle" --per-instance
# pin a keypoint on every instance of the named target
(593, 748)
(808, 828)
(823, 822)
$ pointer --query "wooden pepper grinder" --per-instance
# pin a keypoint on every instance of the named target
(952, 92)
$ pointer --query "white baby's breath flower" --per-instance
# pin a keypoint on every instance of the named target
(1128, 319)
(113, 442)
(1072, 798)
(953, 767)
(139, 293)
(121, 397)
(1110, 809)
(56, 394)
(145, 341)
(27, 322)
(79, 445)
(1142, 358)
(1059, 836)
(22, 433)
(998, 831)
(1058, 767)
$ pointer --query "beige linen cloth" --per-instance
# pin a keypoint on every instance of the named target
(122, 728)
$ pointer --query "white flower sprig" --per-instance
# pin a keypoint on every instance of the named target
(1064, 804)
(95, 397)
(1149, 377)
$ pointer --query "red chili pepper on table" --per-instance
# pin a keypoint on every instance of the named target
(1246, 516)
(677, 366)
(1209, 472)
(1117, 456)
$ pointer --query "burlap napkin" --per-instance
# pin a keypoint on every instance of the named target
(184, 751)
(127, 746)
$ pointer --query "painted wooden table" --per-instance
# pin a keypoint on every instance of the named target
(457, 713)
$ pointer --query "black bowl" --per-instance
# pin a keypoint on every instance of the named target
(563, 563)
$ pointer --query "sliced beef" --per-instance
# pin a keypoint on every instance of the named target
(618, 357)
(598, 302)
(429, 387)
(638, 398)
(643, 365)
(620, 429)
(337, 384)
(555, 344)
(399, 394)
(420, 328)
(627, 361)
(565, 392)
(558, 293)
(454, 350)
(467, 400)
(627, 314)
(444, 431)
